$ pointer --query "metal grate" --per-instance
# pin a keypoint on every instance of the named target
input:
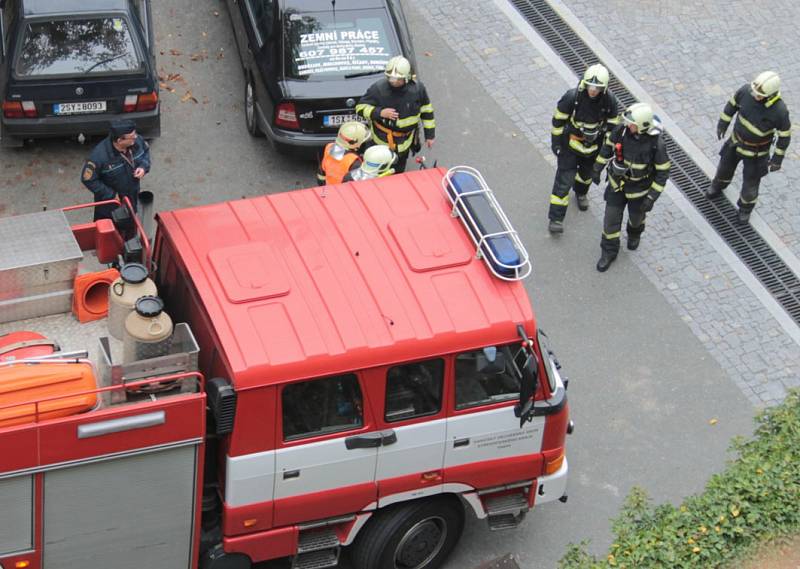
(687, 176)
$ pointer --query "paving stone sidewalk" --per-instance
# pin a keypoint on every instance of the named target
(705, 291)
(692, 56)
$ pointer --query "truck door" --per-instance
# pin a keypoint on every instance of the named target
(485, 444)
(414, 428)
(325, 463)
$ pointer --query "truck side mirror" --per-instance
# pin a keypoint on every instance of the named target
(527, 391)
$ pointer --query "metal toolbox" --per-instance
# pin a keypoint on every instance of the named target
(39, 254)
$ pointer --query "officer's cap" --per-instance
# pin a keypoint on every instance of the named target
(121, 127)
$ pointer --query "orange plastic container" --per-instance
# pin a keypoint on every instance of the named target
(23, 384)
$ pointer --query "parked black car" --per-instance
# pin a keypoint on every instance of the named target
(69, 67)
(307, 62)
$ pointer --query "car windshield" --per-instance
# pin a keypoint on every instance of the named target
(325, 45)
(77, 47)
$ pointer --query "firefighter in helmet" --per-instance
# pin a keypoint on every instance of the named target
(761, 117)
(342, 155)
(395, 105)
(377, 163)
(581, 119)
(637, 164)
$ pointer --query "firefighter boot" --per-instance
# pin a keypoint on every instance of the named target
(556, 226)
(744, 216)
(634, 236)
(744, 211)
(605, 261)
(715, 189)
(583, 202)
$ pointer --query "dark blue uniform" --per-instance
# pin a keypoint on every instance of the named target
(108, 173)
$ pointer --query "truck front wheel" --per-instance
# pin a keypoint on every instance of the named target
(417, 535)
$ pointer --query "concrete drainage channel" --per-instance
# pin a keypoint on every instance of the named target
(756, 254)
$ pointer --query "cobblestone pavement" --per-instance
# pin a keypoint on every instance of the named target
(692, 56)
(716, 305)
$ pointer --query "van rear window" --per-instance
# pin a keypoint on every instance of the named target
(77, 47)
(335, 44)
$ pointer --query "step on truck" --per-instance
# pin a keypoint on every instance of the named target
(353, 370)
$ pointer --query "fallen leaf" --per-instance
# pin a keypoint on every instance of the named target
(188, 97)
(175, 52)
(713, 421)
(205, 35)
(428, 54)
(216, 14)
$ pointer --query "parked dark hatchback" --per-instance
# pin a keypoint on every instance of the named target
(307, 62)
(69, 67)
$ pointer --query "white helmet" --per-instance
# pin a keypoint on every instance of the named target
(352, 135)
(595, 76)
(766, 84)
(378, 160)
(640, 114)
(398, 67)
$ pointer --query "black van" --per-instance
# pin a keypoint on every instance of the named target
(307, 62)
(69, 67)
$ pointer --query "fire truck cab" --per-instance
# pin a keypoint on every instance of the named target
(363, 380)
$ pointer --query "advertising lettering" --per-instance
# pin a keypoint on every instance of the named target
(341, 51)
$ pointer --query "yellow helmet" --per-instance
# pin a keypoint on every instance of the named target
(766, 84)
(595, 76)
(352, 135)
(398, 67)
(640, 114)
(378, 160)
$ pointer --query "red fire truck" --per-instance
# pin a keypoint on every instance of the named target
(359, 366)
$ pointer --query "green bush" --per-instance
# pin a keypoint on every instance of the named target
(755, 499)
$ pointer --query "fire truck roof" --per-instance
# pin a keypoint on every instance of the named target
(321, 281)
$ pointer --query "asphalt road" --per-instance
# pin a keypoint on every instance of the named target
(642, 390)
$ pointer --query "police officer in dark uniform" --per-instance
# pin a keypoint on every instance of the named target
(394, 107)
(116, 166)
(581, 119)
(638, 169)
(761, 116)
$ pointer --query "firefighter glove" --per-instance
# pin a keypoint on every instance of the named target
(556, 148)
(774, 165)
(722, 126)
(647, 204)
(596, 176)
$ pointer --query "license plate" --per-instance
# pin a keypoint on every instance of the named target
(78, 108)
(338, 120)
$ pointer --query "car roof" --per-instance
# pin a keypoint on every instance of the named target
(52, 7)
(326, 6)
(322, 281)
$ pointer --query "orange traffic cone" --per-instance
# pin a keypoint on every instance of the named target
(90, 301)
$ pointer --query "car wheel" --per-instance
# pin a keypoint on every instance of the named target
(250, 109)
(418, 535)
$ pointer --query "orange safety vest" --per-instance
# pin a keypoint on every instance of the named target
(335, 170)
